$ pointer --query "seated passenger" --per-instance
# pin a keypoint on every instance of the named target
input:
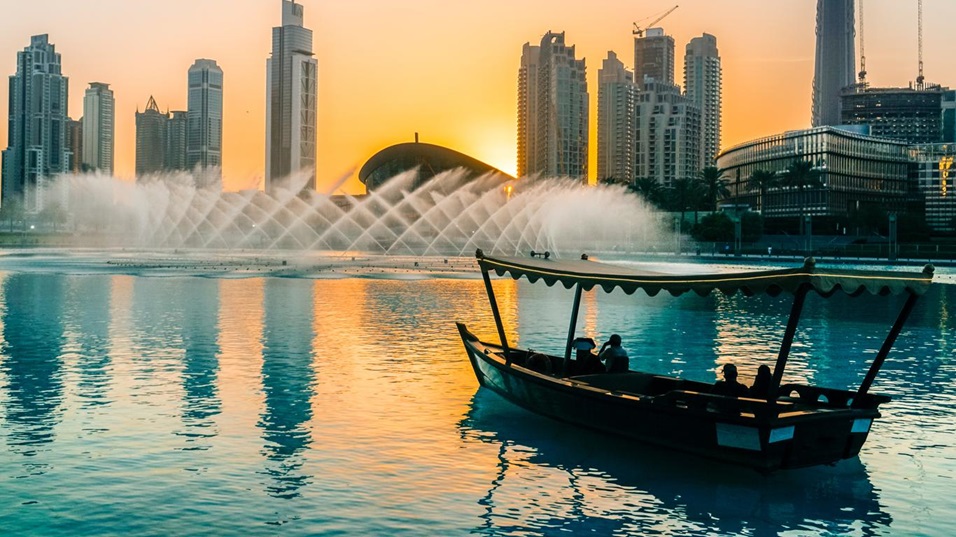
(729, 386)
(614, 356)
(585, 361)
(761, 385)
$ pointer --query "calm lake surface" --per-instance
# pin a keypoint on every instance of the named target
(144, 405)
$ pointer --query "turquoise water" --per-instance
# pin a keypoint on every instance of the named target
(138, 405)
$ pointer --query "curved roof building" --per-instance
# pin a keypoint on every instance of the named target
(429, 159)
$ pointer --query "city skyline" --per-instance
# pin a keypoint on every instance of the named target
(387, 71)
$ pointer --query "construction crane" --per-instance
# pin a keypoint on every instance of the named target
(639, 32)
(862, 50)
(919, 77)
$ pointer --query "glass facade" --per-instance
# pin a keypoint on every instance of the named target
(933, 171)
(204, 116)
(616, 95)
(291, 99)
(37, 125)
(856, 172)
(905, 114)
(98, 128)
(561, 116)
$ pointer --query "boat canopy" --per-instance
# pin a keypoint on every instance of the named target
(825, 281)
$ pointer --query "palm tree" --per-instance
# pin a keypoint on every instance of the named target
(802, 175)
(12, 211)
(649, 189)
(764, 180)
(715, 186)
(683, 194)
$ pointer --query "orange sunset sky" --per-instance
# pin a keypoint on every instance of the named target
(444, 68)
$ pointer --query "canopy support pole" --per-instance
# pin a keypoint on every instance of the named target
(887, 345)
(571, 329)
(795, 310)
(494, 310)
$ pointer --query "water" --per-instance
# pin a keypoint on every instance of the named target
(451, 214)
(164, 404)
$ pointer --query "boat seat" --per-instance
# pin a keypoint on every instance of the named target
(630, 382)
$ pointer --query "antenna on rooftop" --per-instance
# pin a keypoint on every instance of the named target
(862, 73)
(919, 77)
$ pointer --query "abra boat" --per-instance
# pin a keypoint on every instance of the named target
(791, 426)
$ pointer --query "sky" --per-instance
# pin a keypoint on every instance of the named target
(446, 69)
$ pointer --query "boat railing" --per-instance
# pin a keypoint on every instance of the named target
(746, 407)
(820, 397)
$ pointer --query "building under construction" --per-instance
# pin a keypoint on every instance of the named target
(911, 115)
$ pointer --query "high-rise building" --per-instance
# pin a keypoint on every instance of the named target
(948, 106)
(616, 97)
(291, 99)
(151, 134)
(702, 85)
(204, 117)
(527, 108)
(98, 128)
(160, 140)
(654, 56)
(668, 134)
(176, 130)
(905, 114)
(74, 141)
(835, 65)
(561, 120)
(37, 124)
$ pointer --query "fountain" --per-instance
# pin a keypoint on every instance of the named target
(450, 215)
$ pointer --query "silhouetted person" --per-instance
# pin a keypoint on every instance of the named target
(730, 386)
(761, 385)
(585, 361)
(614, 356)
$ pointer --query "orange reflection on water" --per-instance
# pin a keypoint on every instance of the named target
(240, 354)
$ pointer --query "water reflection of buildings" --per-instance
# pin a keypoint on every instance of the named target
(200, 333)
(32, 365)
(87, 326)
(552, 477)
(288, 382)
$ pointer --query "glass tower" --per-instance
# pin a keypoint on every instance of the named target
(204, 121)
(37, 125)
(702, 85)
(98, 128)
(616, 98)
(835, 65)
(561, 117)
(291, 100)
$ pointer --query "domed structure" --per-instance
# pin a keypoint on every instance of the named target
(430, 160)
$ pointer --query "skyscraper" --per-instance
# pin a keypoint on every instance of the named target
(527, 107)
(151, 133)
(702, 85)
(204, 118)
(176, 130)
(160, 140)
(560, 115)
(668, 134)
(616, 96)
(37, 124)
(654, 57)
(291, 99)
(835, 65)
(74, 142)
(98, 128)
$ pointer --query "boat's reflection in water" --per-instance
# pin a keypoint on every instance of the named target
(551, 476)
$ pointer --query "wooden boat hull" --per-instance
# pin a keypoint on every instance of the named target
(680, 415)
